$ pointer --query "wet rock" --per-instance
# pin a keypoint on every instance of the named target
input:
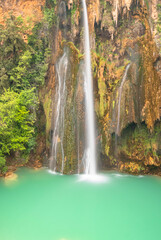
(10, 176)
(70, 4)
(152, 161)
(138, 30)
(131, 167)
(11, 168)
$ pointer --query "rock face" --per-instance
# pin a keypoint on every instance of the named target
(28, 9)
(122, 32)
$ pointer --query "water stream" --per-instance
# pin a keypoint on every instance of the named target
(119, 99)
(90, 152)
(58, 133)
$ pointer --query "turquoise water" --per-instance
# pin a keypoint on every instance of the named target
(42, 206)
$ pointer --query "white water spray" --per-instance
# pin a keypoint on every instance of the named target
(58, 133)
(90, 153)
(119, 101)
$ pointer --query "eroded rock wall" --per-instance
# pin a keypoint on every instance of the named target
(130, 35)
(121, 33)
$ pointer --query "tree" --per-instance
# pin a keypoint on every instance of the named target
(17, 118)
(11, 47)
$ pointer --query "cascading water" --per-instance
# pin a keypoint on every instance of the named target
(119, 99)
(90, 153)
(58, 133)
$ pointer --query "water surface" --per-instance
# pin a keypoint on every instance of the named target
(42, 206)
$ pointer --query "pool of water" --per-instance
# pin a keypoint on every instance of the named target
(43, 206)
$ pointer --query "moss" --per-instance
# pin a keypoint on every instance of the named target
(70, 114)
(148, 53)
(133, 144)
(131, 167)
(159, 25)
(47, 109)
(103, 3)
(139, 145)
(73, 11)
(75, 51)
(147, 4)
(102, 88)
(70, 146)
(107, 149)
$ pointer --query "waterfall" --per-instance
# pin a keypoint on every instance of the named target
(90, 153)
(119, 99)
(58, 133)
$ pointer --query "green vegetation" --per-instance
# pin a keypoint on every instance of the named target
(159, 18)
(159, 22)
(138, 144)
(49, 16)
(73, 13)
(147, 4)
(24, 58)
(17, 120)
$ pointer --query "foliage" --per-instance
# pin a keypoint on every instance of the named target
(49, 13)
(17, 114)
(147, 4)
(49, 16)
(159, 22)
(12, 46)
(50, 3)
(24, 62)
(2, 160)
(73, 11)
(138, 143)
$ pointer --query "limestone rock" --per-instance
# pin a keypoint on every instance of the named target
(10, 176)
(25, 8)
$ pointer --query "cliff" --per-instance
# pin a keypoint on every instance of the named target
(122, 32)
(30, 10)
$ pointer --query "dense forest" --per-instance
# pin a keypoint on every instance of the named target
(24, 58)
